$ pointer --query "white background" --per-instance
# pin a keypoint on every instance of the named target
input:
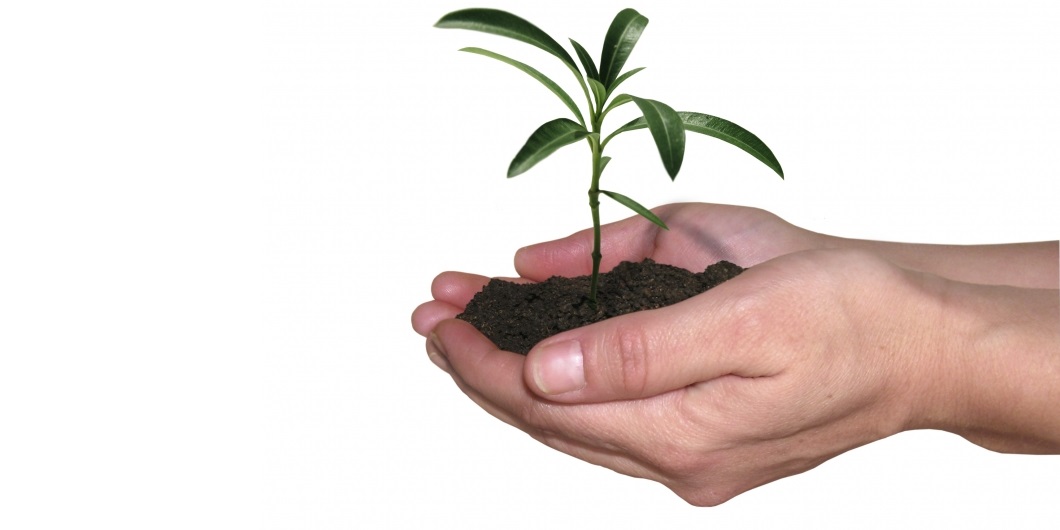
(217, 217)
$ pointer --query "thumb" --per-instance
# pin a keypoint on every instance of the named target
(644, 354)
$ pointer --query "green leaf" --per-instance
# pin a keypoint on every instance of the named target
(505, 24)
(545, 141)
(734, 134)
(668, 130)
(622, 78)
(604, 160)
(636, 207)
(598, 91)
(587, 61)
(621, 37)
(550, 84)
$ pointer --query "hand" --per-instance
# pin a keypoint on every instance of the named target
(765, 376)
(795, 361)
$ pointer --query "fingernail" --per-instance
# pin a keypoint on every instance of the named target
(436, 353)
(559, 368)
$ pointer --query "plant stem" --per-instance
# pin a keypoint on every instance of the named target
(594, 206)
(596, 114)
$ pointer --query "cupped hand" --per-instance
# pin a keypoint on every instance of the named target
(799, 359)
(793, 362)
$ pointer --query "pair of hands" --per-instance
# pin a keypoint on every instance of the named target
(813, 351)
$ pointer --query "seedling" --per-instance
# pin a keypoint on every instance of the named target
(599, 86)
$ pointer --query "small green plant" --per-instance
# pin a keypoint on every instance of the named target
(667, 126)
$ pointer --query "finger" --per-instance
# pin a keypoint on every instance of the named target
(495, 378)
(457, 288)
(429, 314)
(491, 377)
(436, 351)
(451, 291)
(627, 240)
(652, 352)
(479, 362)
(592, 451)
(606, 434)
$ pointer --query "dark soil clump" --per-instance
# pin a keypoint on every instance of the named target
(518, 316)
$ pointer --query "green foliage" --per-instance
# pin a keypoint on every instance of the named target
(550, 84)
(545, 141)
(621, 37)
(598, 84)
(668, 130)
(718, 128)
(506, 25)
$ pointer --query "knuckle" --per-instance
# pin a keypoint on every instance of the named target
(628, 361)
(748, 321)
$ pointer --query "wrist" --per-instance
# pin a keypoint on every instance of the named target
(1032, 265)
(995, 379)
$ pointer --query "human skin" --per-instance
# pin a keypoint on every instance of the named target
(823, 345)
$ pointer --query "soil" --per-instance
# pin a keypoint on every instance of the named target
(518, 316)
